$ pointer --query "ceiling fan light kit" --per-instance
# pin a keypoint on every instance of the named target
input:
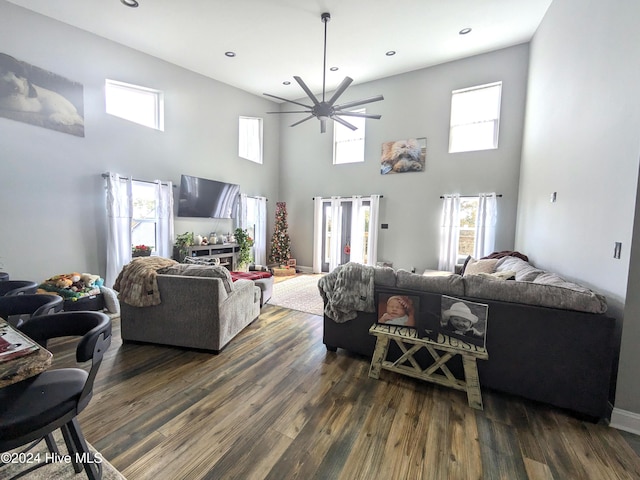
(326, 109)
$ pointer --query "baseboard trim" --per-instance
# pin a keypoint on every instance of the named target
(304, 269)
(625, 420)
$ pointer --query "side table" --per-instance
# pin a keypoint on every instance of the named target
(441, 352)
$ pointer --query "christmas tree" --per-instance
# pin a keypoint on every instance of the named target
(280, 242)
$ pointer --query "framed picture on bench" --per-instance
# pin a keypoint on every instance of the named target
(397, 309)
(464, 320)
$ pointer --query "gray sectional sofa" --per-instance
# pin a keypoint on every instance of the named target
(548, 340)
(200, 307)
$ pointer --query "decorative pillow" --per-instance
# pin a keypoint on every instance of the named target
(202, 260)
(504, 275)
(201, 271)
(474, 267)
(525, 272)
(110, 300)
(464, 265)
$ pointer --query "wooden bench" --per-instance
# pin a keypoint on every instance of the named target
(441, 351)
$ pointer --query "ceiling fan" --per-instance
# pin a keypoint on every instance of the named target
(326, 109)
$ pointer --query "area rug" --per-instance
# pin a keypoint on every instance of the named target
(298, 293)
(15, 462)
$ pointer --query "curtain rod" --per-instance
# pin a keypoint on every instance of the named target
(265, 198)
(473, 196)
(106, 175)
(329, 198)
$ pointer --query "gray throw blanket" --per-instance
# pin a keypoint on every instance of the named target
(346, 290)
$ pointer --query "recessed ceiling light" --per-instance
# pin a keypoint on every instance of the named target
(464, 31)
(286, 82)
(230, 54)
(334, 69)
(130, 3)
(390, 53)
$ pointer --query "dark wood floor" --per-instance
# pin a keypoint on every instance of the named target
(276, 405)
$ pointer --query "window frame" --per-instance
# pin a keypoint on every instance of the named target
(157, 123)
(457, 146)
(337, 127)
(244, 151)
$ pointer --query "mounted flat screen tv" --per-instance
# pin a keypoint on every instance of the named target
(201, 197)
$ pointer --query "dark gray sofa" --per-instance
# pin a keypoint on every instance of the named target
(559, 355)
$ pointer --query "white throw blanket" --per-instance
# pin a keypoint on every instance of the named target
(346, 290)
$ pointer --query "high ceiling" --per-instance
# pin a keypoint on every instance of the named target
(276, 39)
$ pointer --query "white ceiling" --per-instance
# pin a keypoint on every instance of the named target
(277, 39)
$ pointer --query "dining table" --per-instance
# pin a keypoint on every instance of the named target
(26, 358)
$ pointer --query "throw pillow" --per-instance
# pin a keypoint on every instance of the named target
(110, 300)
(475, 267)
(504, 275)
(201, 271)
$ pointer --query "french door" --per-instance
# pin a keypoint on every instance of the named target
(345, 233)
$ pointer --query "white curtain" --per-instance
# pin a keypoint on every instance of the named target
(357, 230)
(335, 249)
(260, 242)
(317, 235)
(449, 233)
(164, 212)
(485, 225)
(374, 214)
(119, 212)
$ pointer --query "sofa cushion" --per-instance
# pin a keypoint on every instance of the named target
(525, 272)
(201, 271)
(531, 293)
(474, 267)
(447, 285)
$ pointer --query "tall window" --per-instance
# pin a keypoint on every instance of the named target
(141, 105)
(144, 229)
(475, 118)
(468, 217)
(250, 138)
(348, 145)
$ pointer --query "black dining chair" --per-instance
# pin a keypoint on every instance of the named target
(17, 309)
(17, 287)
(34, 408)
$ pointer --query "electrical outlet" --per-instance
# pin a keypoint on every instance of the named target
(617, 249)
(384, 226)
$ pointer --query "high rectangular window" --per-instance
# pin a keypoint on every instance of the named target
(141, 105)
(250, 138)
(475, 118)
(348, 145)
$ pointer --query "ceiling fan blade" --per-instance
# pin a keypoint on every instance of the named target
(323, 125)
(361, 115)
(359, 102)
(344, 122)
(307, 91)
(293, 111)
(290, 101)
(341, 88)
(303, 120)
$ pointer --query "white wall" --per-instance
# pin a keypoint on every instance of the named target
(53, 215)
(416, 104)
(582, 140)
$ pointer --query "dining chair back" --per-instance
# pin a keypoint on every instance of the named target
(17, 287)
(17, 309)
(34, 408)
